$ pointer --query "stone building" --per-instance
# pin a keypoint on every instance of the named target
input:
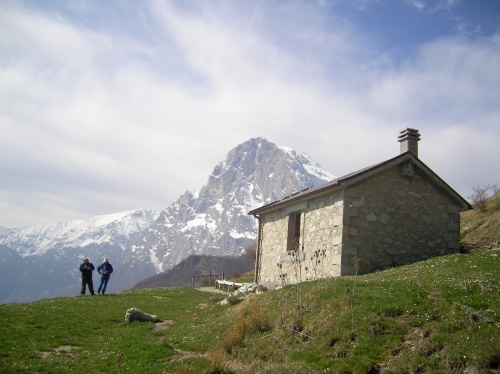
(389, 214)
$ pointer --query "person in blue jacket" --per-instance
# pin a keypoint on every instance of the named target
(105, 269)
(87, 268)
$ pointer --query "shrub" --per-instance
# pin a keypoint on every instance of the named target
(259, 322)
(236, 335)
(218, 362)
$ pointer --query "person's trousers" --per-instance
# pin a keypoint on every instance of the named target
(87, 282)
(103, 284)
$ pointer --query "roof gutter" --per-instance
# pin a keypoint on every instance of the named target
(257, 252)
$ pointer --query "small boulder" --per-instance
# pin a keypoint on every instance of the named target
(134, 314)
(260, 289)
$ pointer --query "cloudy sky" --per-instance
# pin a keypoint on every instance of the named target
(107, 106)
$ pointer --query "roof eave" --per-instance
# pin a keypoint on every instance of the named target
(293, 200)
(358, 176)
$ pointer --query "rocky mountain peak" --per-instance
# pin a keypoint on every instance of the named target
(214, 220)
(44, 259)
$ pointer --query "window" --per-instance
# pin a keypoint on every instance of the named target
(293, 232)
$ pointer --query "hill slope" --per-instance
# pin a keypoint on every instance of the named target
(482, 228)
(437, 316)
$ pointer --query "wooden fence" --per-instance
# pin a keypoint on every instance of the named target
(219, 276)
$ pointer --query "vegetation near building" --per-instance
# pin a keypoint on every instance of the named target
(480, 195)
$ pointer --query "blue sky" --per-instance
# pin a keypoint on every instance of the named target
(116, 105)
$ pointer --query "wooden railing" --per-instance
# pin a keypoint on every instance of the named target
(219, 276)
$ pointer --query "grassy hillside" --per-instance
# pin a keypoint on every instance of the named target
(441, 315)
(482, 229)
(436, 316)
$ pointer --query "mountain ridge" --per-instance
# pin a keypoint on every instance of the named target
(214, 219)
(44, 259)
(141, 243)
(38, 238)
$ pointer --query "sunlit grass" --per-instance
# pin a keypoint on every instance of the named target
(437, 316)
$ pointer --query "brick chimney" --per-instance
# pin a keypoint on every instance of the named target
(409, 138)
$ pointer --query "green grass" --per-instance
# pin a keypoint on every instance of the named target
(245, 278)
(437, 316)
(93, 328)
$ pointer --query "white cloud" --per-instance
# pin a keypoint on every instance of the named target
(101, 120)
(456, 77)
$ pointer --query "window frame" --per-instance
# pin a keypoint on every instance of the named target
(293, 233)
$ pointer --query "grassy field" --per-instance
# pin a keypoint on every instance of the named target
(441, 315)
(84, 334)
(436, 316)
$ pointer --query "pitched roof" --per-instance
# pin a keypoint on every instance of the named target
(359, 175)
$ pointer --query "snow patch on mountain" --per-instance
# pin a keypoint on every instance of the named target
(111, 228)
(312, 168)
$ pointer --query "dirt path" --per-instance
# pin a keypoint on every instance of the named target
(210, 289)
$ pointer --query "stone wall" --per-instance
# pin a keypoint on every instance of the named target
(319, 254)
(396, 220)
(389, 219)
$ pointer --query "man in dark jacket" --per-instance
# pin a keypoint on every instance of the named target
(105, 269)
(87, 268)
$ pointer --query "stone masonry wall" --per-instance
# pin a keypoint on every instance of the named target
(384, 220)
(320, 246)
(395, 220)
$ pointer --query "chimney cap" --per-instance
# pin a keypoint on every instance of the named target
(408, 133)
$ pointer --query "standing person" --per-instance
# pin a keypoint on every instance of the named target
(105, 269)
(87, 268)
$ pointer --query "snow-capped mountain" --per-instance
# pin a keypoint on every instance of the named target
(44, 259)
(114, 229)
(214, 219)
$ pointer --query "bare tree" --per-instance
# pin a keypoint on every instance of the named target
(480, 196)
(495, 199)
(250, 252)
(495, 187)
